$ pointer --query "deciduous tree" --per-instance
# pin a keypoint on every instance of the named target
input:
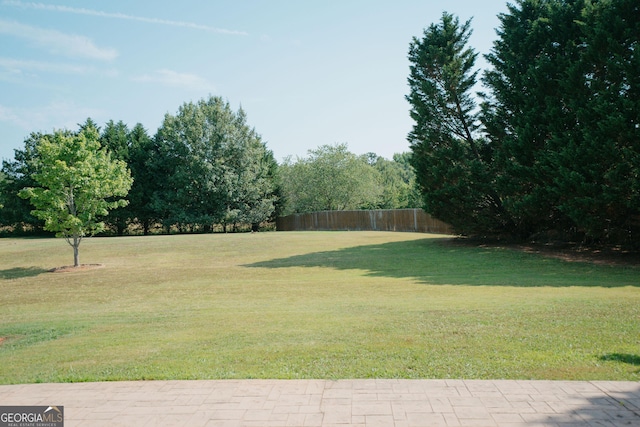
(216, 168)
(330, 178)
(397, 180)
(77, 179)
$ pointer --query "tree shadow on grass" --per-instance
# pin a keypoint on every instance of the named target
(631, 359)
(436, 261)
(21, 272)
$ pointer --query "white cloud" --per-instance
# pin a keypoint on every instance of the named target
(11, 68)
(8, 115)
(58, 115)
(115, 15)
(58, 43)
(18, 66)
(173, 78)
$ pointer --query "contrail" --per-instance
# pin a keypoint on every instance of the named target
(116, 15)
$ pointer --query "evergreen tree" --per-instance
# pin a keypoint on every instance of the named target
(451, 160)
(562, 117)
(115, 139)
(16, 214)
(3, 180)
(537, 44)
(89, 125)
(145, 178)
(599, 162)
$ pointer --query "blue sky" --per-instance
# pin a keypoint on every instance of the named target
(307, 73)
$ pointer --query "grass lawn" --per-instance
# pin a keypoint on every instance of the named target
(310, 305)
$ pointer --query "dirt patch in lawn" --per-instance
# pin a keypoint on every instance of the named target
(71, 268)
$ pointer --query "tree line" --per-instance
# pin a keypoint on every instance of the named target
(551, 149)
(333, 178)
(206, 169)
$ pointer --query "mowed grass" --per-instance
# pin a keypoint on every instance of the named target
(310, 305)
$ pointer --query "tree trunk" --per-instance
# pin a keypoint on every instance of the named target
(76, 255)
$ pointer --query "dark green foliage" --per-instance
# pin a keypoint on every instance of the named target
(537, 44)
(563, 117)
(18, 174)
(114, 138)
(2, 183)
(136, 148)
(204, 167)
(214, 169)
(559, 155)
(140, 160)
(451, 160)
(600, 161)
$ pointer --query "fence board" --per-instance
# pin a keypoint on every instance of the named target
(411, 220)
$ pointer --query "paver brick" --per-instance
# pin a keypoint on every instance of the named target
(320, 403)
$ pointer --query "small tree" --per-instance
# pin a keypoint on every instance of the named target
(78, 182)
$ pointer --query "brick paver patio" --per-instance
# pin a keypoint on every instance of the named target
(405, 403)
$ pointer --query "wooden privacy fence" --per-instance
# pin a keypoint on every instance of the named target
(415, 220)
